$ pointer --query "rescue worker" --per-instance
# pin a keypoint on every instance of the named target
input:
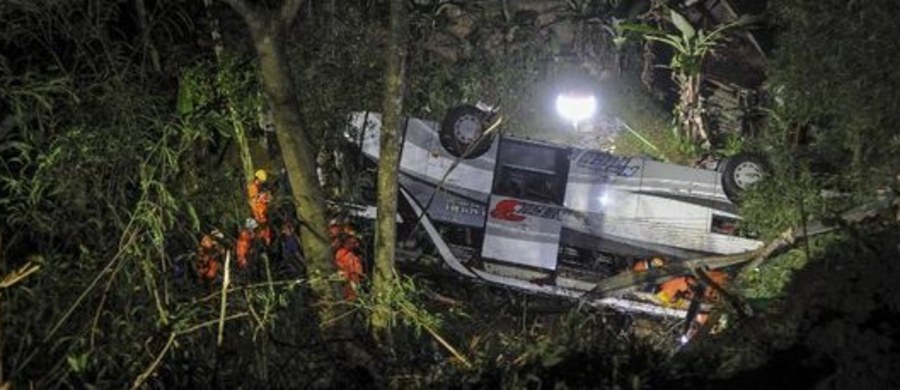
(686, 292)
(676, 292)
(349, 264)
(679, 290)
(209, 255)
(645, 264)
(260, 196)
(290, 245)
(244, 244)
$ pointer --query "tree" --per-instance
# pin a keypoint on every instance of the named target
(267, 29)
(389, 159)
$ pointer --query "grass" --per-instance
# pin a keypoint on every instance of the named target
(649, 128)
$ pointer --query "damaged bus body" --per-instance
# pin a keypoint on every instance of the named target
(553, 219)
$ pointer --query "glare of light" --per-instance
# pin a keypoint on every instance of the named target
(604, 199)
(576, 108)
(683, 339)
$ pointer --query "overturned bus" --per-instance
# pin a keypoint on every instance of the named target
(554, 219)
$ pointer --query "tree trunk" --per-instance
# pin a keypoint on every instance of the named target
(388, 162)
(267, 30)
(690, 110)
(300, 164)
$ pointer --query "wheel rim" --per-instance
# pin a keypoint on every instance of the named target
(467, 129)
(747, 173)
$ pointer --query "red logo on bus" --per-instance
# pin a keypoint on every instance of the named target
(506, 210)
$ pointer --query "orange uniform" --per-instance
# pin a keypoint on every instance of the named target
(243, 246)
(344, 243)
(350, 267)
(259, 207)
(208, 255)
(679, 291)
(676, 291)
(259, 201)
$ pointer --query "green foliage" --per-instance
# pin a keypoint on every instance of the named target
(509, 75)
(690, 45)
(572, 349)
(406, 307)
(783, 200)
(770, 281)
(828, 85)
(113, 167)
(106, 187)
(833, 77)
(824, 326)
(732, 145)
(832, 145)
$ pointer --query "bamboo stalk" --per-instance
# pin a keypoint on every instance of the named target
(440, 340)
(139, 381)
(142, 378)
(18, 275)
(211, 322)
(222, 308)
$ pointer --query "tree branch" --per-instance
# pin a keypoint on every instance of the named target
(630, 279)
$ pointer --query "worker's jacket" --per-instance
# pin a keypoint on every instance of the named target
(209, 254)
(679, 291)
(243, 246)
(259, 201)
(349, 264)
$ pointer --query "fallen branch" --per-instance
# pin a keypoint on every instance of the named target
(630, 279)
(786, 239)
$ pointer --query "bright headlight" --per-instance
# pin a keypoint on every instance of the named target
(576, 108)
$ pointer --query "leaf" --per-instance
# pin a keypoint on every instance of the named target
(683, 25)
(78, 363)
(670, 40)
(195, 220)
